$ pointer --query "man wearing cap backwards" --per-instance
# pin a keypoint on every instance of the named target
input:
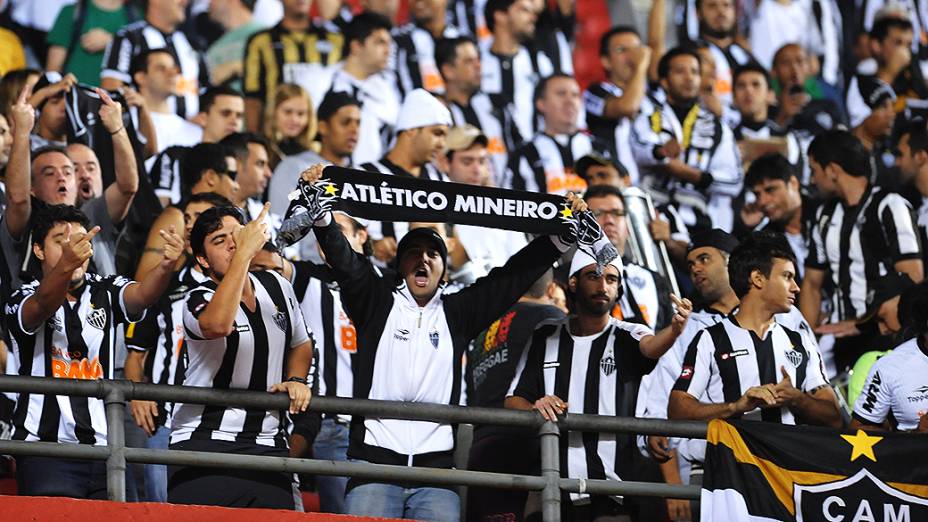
(591, 363)
(468, 161)
(411, 337)
(707, 259)
(422, 128)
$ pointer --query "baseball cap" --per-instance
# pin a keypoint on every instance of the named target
(464, 136)
(430, 236)
(716, 238)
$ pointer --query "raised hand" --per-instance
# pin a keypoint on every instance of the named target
(173, 248)
(22, 113)
(77, 250)
(110, 112)
(313, 173)
(133, 98)
(683, 309)
(250, 239)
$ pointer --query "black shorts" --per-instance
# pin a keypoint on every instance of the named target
(230, 487)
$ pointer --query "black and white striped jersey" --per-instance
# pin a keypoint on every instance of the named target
(161, 333)
(380, 107)
(397, 229)
(724, 360)
(644, 298)
(164, 170)
(921, 220)
(512, 80)
(706, 144)
(546, 164)
(595, 374)
(616, 134)
(138, 37)
(334, 334)
(498, 125)
(726, 61)
(77, 342)
(413, 58)
(467, 16)
(252, 357)
(860, 244)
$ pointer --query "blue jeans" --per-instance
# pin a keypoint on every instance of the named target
(156, 475)
(392, 501)
(331, 444)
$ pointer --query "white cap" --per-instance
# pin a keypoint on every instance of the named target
(361, 221)
(421, 109)
(582, 260)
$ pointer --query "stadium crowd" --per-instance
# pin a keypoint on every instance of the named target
(764, 180)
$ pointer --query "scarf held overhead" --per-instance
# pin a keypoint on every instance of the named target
(376, 196)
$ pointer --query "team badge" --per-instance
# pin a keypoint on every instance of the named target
(607, 365)
(433, 337)
(794, 358)
(97, 318)
(280, 319)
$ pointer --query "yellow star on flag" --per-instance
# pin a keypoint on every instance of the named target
(567, 212)
(862, 445)
(331, 190)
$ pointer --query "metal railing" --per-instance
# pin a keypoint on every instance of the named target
(115, 393)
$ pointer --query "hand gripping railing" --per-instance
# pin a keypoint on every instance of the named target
(115, 393)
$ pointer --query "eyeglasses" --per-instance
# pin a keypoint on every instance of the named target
(231, 173)
(614, 213)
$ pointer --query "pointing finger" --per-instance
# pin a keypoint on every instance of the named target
(263, 214)
(25, 94)
(104, 97)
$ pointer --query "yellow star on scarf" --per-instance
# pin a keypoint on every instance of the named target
(863, 445)
(331, 190)
(567, 212)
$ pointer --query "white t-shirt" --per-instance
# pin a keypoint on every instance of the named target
(777, 24)
(171, 129)
(897, 385)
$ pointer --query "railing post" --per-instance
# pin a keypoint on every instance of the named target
(551, 472)
(116, 440)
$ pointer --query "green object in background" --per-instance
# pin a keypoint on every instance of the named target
(859, 375)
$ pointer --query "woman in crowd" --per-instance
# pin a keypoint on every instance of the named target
(290, 122)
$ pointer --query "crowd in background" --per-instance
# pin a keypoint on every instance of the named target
(768, 162)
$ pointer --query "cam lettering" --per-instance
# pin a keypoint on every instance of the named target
(834, 509)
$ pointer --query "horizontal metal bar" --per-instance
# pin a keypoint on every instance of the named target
(623, 487)
(450, 477)
(54, 450)
(602, 423)
(382, 409)
(341, 468)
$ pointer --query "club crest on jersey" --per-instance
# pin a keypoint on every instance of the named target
(433, 337)
(607, 365)
(97, 318)
(794, 358)
(280, 319)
